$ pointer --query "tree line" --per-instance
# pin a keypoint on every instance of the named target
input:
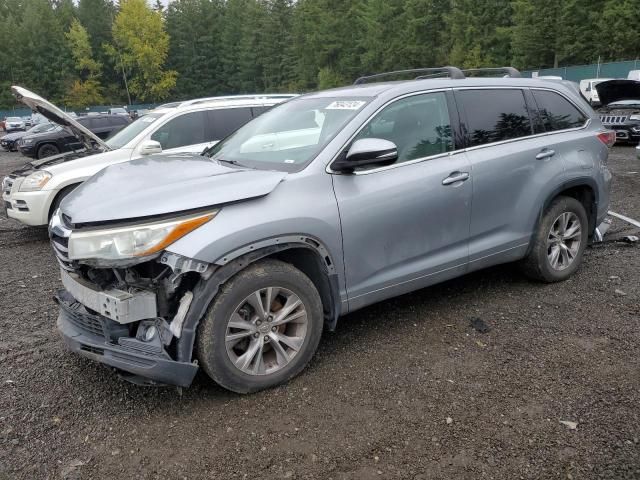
(88, 52)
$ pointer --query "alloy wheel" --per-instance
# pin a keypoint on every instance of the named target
(266, 331)
(563, 242)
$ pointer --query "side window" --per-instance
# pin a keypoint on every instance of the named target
(86, 122)
(187, 129)
(224, 122)
(260, 110)
(117, 120)
(419, 126)
(557, 112)
(495, 115)
(100, 122)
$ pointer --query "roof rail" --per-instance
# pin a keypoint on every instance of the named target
(452, 72)
(197, 101)
(509, 71)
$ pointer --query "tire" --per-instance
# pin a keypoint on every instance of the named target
(217, 355)
(47, 150)
(560, 248)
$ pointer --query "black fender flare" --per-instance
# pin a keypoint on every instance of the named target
(207, 288)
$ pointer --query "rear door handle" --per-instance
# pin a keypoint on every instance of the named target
(456, 177)
(546, 153)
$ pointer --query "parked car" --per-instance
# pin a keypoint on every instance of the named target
(588, 90)
(13, 124)
(621, 108)
(33, 192)
(236, 260)
(64, 140)
(118, 111)
(10, 140)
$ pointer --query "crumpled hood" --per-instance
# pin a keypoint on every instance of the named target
(616, 90)
(159, 185)
(38, 104)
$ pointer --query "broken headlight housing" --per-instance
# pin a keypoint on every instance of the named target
(132, 241)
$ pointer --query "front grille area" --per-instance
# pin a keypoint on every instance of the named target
(613, 119)
(79, 316)
(61, 249)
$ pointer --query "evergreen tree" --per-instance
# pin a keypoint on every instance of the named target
(619, 24)
(195, 49)
(42, 58)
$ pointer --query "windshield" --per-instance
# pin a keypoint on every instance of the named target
(128, 133)
(14, 119)
(291, 135)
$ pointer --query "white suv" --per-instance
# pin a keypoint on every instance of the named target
(32, 193)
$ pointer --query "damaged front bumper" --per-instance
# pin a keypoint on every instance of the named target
(101, 339)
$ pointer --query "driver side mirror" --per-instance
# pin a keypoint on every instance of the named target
(367, 152)
(150, 147)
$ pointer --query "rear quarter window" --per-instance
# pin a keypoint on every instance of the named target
(556, 112)
(494, 115)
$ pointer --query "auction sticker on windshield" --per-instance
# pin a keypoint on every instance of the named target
(346, 105)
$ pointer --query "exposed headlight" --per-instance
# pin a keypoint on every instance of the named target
(27, 141)
(634, 117)
(35, 181)
(134, 241)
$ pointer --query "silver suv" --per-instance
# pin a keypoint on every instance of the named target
(236, 260)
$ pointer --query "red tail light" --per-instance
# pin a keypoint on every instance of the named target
(608, 137)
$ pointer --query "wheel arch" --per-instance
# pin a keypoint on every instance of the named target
(303, 252)
(585, 190)
(61, 192)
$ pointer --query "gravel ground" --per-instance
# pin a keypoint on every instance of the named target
(405, 389)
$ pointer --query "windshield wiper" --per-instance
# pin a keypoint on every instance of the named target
(231, 162)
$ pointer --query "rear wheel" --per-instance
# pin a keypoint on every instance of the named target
(559, 242)
(262, 328)
(47, 150)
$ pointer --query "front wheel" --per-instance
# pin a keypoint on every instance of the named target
(262, 328)
(47, 150)
(559, 241)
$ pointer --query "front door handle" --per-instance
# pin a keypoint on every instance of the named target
(456, 177)
(545, 153)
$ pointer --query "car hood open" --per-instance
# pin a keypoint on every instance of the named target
(38, 104)
(616, 90)
(161, 185)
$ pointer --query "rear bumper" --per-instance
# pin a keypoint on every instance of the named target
(141, 367)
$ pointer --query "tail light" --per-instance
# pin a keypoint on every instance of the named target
(607, 137)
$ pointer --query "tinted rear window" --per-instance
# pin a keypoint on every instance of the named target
(557, 112)
(494, 115)
(100, 122)
(118, 120)
(223, 123)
